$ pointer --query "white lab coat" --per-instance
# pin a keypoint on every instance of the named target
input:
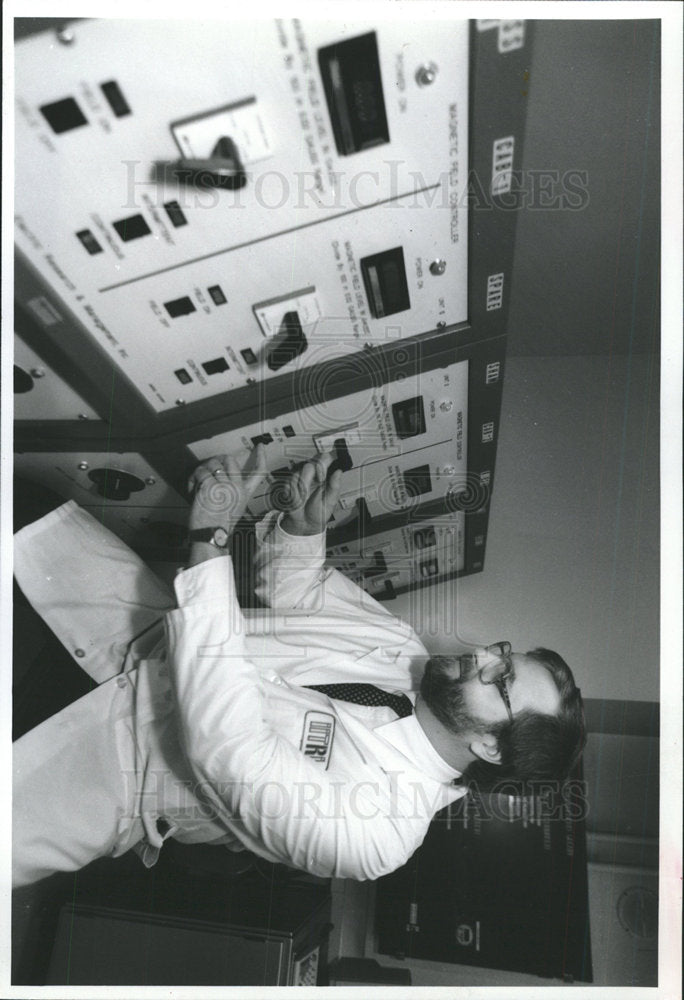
(209, 727)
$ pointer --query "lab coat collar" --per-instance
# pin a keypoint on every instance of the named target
(408, 736)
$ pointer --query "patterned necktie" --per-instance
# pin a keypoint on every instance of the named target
(366, 694)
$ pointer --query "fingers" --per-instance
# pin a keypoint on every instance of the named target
(304, 483)
(304, 479)
(327, 494)
(211, 468)
(315, 471)
(201, 474)
(255, 469)
(333, 490)
(222, 467)
(323, 463)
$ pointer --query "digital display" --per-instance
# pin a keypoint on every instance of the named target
(418, 481)
(353, 91)
(409, 417)
(384, 278)
(424, 538)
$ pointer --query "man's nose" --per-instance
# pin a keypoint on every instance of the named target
(472, 661)
(477, 658)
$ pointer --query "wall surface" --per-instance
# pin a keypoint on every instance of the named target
(586, 273)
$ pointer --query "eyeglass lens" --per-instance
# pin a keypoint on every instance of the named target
(500, 667)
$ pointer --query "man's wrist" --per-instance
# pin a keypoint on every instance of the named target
(291, 527)
(216, 535)
(202, 551)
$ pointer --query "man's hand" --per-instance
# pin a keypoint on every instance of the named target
(223, 486)
(311, 496)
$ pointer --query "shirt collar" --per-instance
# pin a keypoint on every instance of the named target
(408, 736)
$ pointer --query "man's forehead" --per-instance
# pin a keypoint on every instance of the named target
(534, 686)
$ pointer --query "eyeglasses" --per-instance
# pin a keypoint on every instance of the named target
(498, 671)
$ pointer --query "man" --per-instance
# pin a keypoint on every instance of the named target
(219, 732)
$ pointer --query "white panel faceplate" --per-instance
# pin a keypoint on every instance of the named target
(129, 518)
(416, 553)
(49, 398)
(304, 219)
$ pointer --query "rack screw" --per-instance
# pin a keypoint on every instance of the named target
(38, 372)
(66, 35)
(425, 74)
(83, 466)
(438, 266)
(150, 480)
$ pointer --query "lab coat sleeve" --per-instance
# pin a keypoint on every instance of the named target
(291, 575)
(285, 807)
(289, 568)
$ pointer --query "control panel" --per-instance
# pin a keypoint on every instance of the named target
(405, 557)
(298, 186)
(292, 232)
(416, 451)
(416, 448)
(397, 444)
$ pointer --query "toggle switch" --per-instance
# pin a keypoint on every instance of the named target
(378, 567)
(221, 169)
(428, 568)
(343, 459)
(288, 344)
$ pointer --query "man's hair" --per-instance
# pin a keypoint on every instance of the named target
(535, 747)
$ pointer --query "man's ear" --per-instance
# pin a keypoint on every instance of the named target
(486, 748)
